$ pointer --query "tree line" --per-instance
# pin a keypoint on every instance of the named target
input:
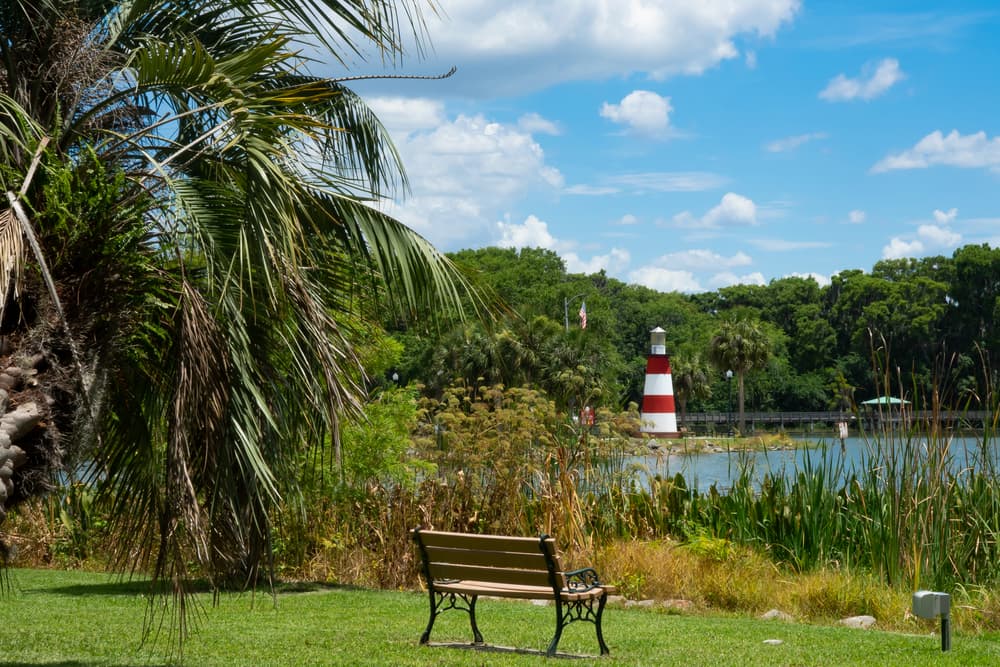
(792, 344)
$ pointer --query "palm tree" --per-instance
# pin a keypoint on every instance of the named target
(186, 255)
(690, 379)
(740, 345)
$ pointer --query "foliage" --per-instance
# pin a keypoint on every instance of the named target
(740, 345)
(924, 309)
(574, 368)
(690, 376)
(199, 305)
(377, 446)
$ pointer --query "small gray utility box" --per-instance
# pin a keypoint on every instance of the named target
(931, 604)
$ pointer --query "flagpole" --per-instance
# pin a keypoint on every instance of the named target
(566, 308)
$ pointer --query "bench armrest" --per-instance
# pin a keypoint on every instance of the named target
(584, 579)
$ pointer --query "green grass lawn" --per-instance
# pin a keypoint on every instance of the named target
(76, 619)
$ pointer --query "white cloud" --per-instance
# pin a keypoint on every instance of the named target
(868, 86)
(945, 217)
(656, 181)
(403, 115)
(642, 111)
(700, 260)
(670, 181)
(953, 150)
(727, 279)
(936, 236)
(676, 271)
(665, 280)
(591, 190)
(521, 45)
(930, 238)
(899, 248)
(627, 219)
(613, 262)
(820, 279)
(791, 143)
(734, 209)
(534, 123)
(532, 233)
(982, 230)
(751, 59)
(856, 217)
(463, 172)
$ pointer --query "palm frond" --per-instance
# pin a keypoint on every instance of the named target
(416, 276)
(11, 258)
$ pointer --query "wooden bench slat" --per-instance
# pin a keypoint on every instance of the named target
(494, 589)
(484, 542)
(507, 559)
(498, 575)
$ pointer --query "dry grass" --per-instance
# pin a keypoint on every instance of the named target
(708, 572)
(715, 575)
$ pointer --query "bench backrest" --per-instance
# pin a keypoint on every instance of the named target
(530, 561)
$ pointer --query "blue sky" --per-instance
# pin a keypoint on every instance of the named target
(692, 145)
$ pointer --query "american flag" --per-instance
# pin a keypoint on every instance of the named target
(583, 314)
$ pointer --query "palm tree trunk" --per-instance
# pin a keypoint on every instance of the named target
(23, 458)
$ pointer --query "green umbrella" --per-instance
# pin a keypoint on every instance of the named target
(885, 400)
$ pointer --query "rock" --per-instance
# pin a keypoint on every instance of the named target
(541, 603)
(617, 600)
(774, 642)
(776, 615)
(861, 622)
(679, 605)
(639, 603)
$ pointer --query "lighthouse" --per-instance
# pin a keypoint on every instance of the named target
(658, 414)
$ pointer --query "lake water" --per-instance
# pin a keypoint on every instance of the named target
(702, 470)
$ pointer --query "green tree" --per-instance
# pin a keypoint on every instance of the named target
(740, 345)
(975, 294)
(690, 374)
(187, 258)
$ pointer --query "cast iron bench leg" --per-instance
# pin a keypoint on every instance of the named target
(559, 628)
(472, 620)
(600, 614)
(430, 622)
(437, 601)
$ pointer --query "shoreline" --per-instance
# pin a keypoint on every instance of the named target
(771, 442)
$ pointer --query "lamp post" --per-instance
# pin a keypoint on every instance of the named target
(729, 383)
(566, 301)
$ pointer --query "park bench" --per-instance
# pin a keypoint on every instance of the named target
(460, 567)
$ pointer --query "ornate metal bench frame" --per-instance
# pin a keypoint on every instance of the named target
(574, 601)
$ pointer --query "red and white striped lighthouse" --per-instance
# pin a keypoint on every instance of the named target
(658, 414)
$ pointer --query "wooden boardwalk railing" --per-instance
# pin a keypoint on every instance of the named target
(970, 418)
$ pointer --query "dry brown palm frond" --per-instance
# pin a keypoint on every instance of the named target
(11, 258)
(197, 420)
